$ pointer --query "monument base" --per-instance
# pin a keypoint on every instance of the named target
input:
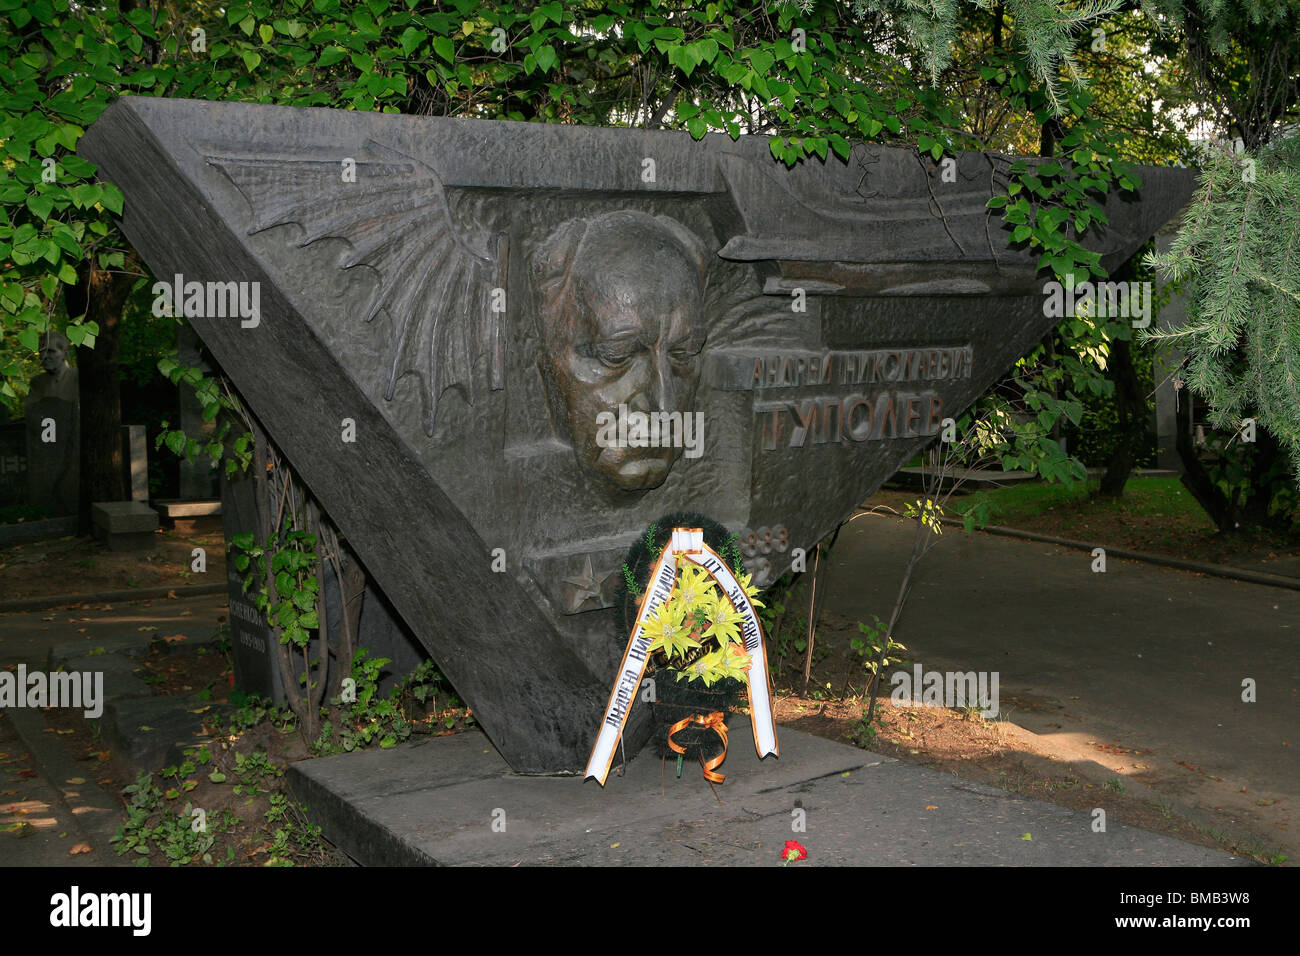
(453, 801)
(125, 525)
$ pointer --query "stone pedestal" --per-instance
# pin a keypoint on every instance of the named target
(124, 525)
(53, 455)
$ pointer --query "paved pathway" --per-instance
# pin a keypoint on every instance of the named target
(1138, 656)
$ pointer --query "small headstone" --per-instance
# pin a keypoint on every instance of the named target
(135, 461)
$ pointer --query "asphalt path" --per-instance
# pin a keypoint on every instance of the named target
(1139, 657)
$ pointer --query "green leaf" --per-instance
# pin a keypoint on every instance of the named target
(331, 56)
(410, 39)
(112, 199)
(444, 48)
(546, 57)
(41, 206)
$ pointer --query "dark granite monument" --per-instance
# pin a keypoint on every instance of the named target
(496, 351)
(53, 415)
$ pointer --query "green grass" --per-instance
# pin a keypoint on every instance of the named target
(1142, 496)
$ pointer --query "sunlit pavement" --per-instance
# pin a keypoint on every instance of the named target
(1138, 656)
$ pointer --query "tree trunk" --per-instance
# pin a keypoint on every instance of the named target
(100, 296)
(1194, 477)
(1130, 407)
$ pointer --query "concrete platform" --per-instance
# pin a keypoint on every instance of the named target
(435, 802)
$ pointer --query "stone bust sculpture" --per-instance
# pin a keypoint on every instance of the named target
(60, 379)
(620, 302)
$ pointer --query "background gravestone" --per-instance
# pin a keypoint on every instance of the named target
(379, 629)
(13, 463)
(135, 461)
(198, 478)
(442, 330)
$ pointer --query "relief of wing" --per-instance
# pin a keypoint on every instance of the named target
(435, 284)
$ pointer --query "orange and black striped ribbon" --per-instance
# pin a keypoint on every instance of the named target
(714, 722)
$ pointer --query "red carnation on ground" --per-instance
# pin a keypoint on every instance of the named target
(793, 852)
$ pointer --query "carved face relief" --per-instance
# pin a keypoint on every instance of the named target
(623, 330)
(54, 353)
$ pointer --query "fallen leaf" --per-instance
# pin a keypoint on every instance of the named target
(27, 774)
(76, 780)
(173, 638)
(931, 807)
(147, 627)
(615, 846)
(69, 731)
(1025, 836)
(172, 595)
(79, 848)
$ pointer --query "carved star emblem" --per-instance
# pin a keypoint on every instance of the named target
(585, 586)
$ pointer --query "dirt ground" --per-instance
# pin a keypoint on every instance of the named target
(82, 565)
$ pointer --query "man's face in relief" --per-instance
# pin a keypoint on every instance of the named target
(628, 333)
